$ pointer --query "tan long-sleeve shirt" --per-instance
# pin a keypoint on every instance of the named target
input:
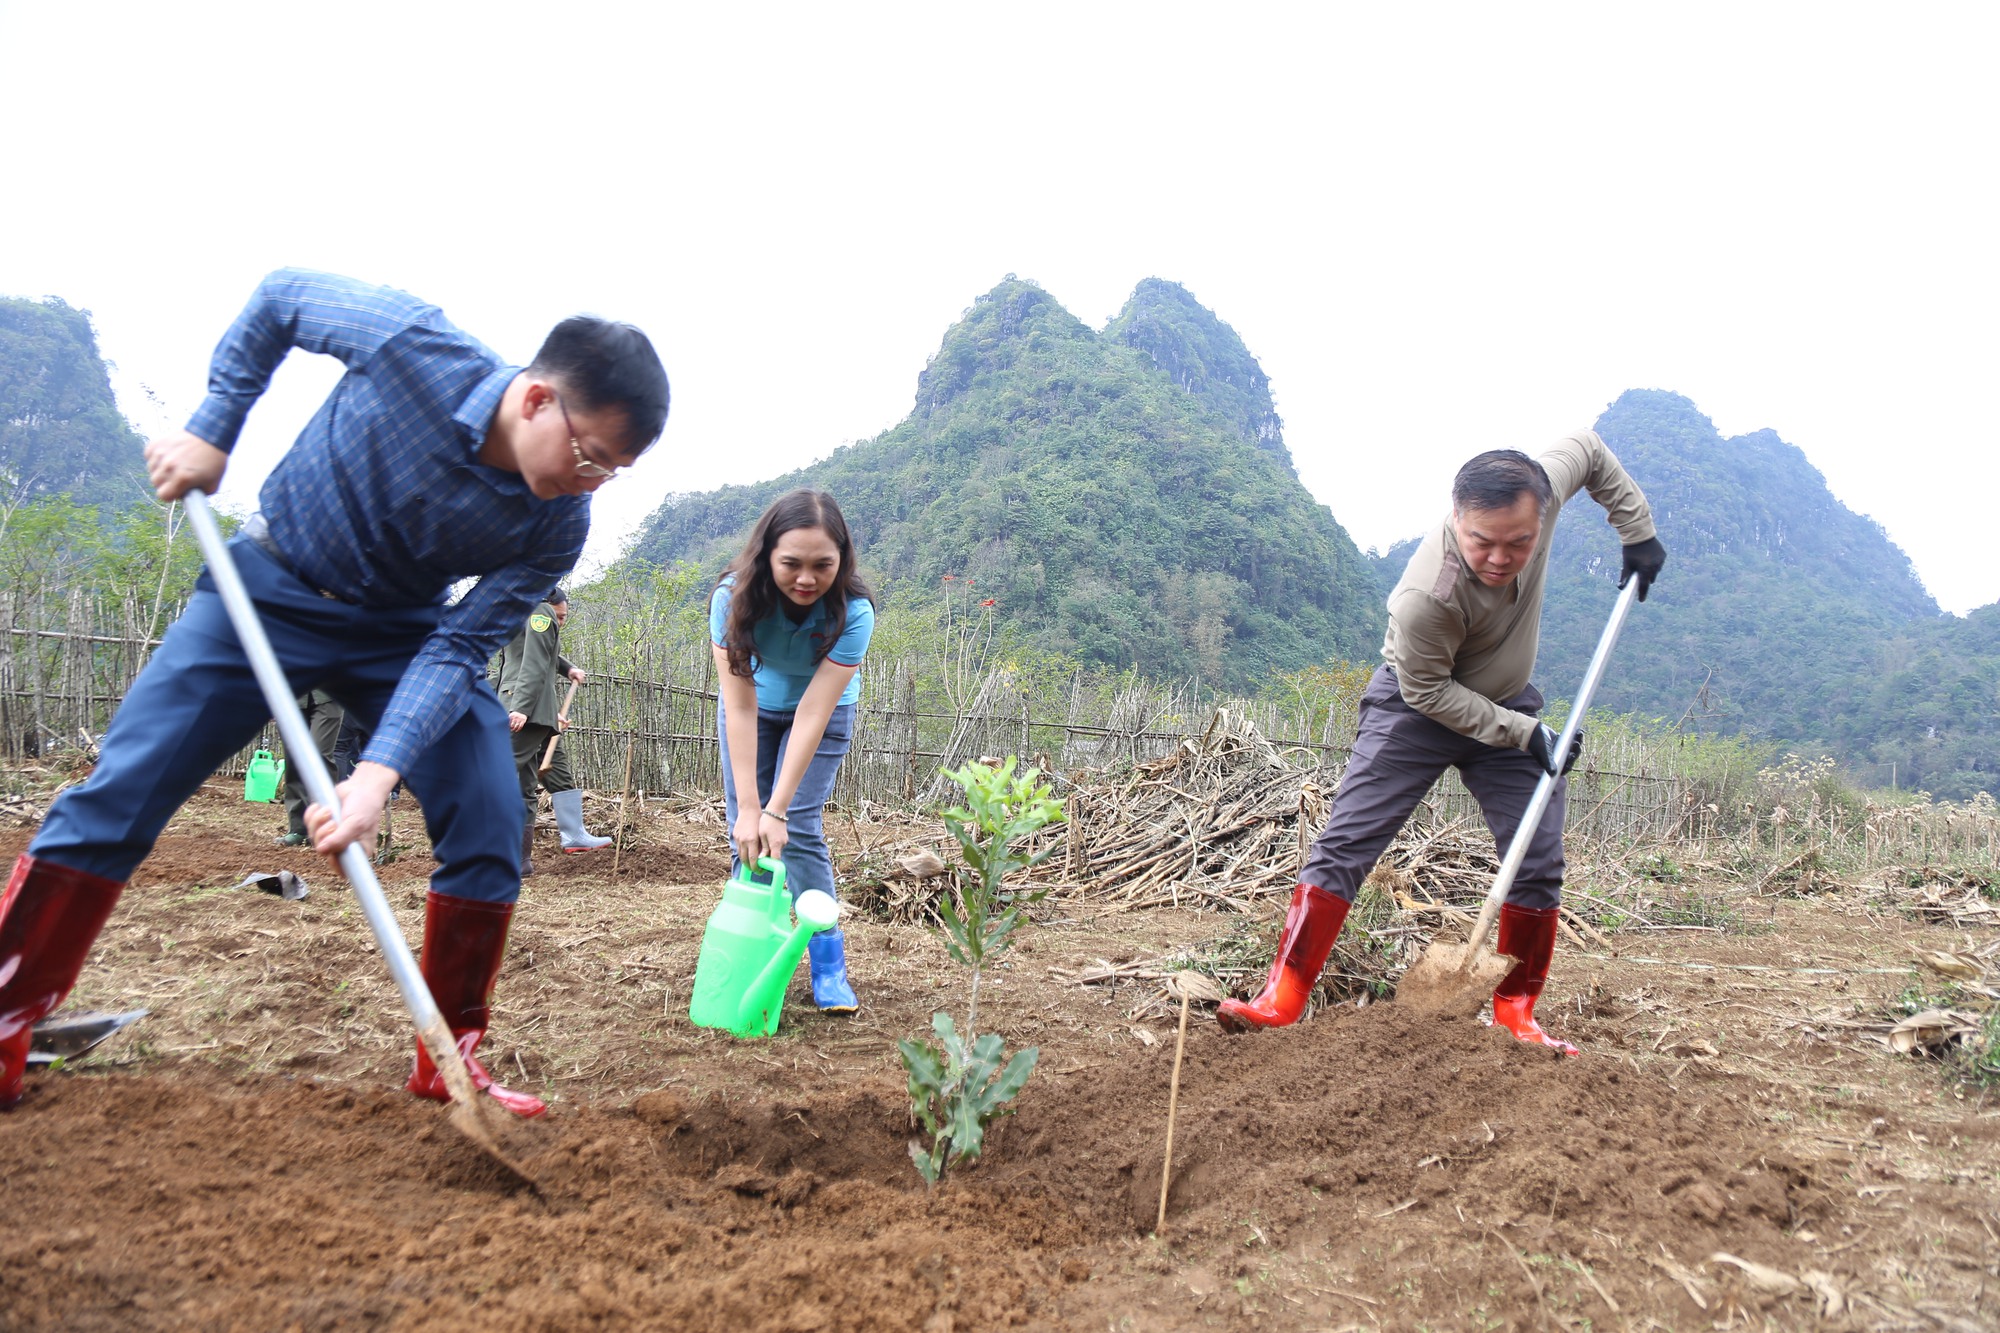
(1457, 645)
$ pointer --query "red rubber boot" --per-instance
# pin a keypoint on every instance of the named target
(464, 941)
(1529, 934)
(1311, 927)
(49, 918)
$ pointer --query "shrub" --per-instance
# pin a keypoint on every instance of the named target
(959, 1086)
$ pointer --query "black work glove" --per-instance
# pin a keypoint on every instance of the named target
(1644, 559)
(1542, 743)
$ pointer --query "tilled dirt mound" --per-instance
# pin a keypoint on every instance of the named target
(1439, 1150)
(143, 1203)
(1380, 1108)
(1410, 1148)
(661, 865)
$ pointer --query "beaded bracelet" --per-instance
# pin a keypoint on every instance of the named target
(782, 819)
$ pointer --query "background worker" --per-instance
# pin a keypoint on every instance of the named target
(531, 667)
(1453, 692)
(790, 622)
(339, 738)
(432, 461)
(324, 716)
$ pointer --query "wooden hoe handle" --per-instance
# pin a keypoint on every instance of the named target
(549, 755)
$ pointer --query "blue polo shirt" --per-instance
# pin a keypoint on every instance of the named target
(786, 653)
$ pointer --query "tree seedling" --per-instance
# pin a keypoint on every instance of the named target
(959, 1086)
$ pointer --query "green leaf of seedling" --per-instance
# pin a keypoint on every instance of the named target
(956, 942)
(982, 1100)
(927, 1164)
(985, 1058)
(996, 937)
(948, 1034)
(968, 1134)
(964, 829)
(927, 1077)
(1028, 896)
(1015, 1076)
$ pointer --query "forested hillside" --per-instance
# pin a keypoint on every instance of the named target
(1781, 614)
(1125, 496)
(60, 428)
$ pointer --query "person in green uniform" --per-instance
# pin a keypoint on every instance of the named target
(531, 667)
(325, 717)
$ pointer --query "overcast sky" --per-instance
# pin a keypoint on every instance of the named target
(1441, 228)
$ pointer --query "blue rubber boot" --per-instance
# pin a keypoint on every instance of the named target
(828, 951)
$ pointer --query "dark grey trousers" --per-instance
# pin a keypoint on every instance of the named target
(529, 744)
(1398, 754)
(325, 717)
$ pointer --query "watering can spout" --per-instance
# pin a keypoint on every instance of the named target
(817, 911)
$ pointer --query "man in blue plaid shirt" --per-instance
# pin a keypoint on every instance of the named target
(431, 462)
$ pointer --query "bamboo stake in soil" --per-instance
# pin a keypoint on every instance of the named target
(1189, 986)
(618, 846)
(1173, 1104)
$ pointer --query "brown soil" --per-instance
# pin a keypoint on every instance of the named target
(660, 865)
(241, 1158)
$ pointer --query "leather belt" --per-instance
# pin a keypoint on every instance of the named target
(258, 531)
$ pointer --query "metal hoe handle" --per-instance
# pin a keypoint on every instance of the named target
(304, 755)
(1538, 804)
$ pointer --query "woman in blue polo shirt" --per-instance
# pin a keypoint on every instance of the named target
(790, 621)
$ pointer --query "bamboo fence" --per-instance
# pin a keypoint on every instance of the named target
(59, 687)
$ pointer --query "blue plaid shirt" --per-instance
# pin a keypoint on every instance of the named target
(382, 499)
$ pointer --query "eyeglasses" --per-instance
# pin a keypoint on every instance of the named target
(584, 467)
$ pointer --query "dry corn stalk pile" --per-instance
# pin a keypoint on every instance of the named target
(1220, 821)
(1948, 904)
(1225, 821)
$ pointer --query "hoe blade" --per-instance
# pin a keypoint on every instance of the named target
(1452, 980)
(66, 1036)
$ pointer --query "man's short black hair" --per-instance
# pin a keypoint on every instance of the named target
(1497, 479)
(604, 365)
(557, 598)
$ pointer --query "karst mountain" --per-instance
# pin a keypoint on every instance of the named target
(1125, 495)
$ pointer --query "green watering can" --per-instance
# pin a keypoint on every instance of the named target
(262, 778)
(751, 948)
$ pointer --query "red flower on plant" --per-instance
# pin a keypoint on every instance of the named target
(949, 577)
(988, 602)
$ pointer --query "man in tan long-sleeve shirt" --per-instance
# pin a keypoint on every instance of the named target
(1453, 691)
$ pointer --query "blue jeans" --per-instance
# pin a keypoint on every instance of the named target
(807, 862)
(196, 703)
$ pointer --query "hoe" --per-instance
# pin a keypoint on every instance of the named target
(1457, 978)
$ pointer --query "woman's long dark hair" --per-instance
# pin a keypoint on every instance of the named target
(755, 594)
